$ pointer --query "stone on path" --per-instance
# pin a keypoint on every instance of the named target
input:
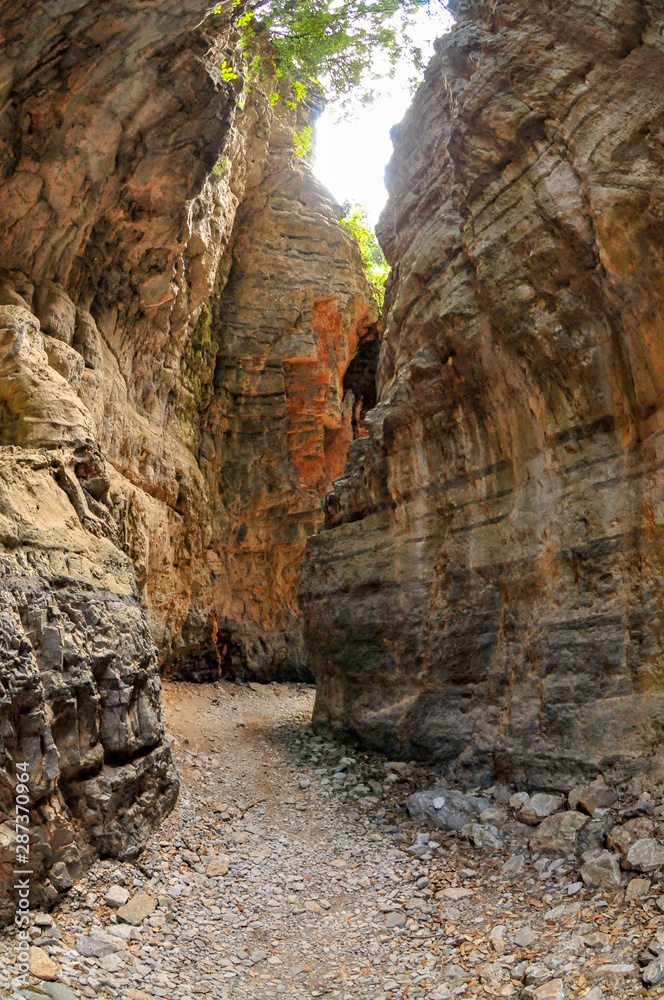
(395, 919)
(637, 888)
(553, 990)
(116, 896)
(538, 807)
(57, 991)
(653, 974)
(98, 944)
(514, 865)
(596, 795)
(524, 937)
(602, 870)
(446, 808)
(519, 800)
(621, 837)
(454, 893)
(645, 855)
(111, 962)
(558, 832)
(484, 835)
(137, 909)
(537, 974)
(42, 965)
(218, 866)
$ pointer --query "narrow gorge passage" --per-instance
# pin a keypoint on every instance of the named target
(291, 868)
(247, 440)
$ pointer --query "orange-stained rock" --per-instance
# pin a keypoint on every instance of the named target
(277, 426)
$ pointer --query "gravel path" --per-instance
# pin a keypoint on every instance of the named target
(290, 868)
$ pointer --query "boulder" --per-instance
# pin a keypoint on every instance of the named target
(596, 795)
(621, 837)
(558, 833)
(602, 870)
(538, 807)
(446, 808)
(484, 835)
(645, 855)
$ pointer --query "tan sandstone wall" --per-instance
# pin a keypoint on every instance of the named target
(124, 390)
(488, 587)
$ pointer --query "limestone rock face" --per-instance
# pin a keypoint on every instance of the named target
(487, 587)
(278, 427)
(173, 343)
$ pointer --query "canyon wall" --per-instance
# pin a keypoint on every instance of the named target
(487, 590)
(178, 306)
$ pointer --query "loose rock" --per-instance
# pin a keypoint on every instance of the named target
(137, 909)
(602, 869)
(538, 807)
(42, 966)
(558, 833)
(645, 855)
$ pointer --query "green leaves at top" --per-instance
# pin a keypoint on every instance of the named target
(341, 44)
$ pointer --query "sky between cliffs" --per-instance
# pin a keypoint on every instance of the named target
(351, 155)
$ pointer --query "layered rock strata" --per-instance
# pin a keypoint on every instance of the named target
(486, 591)
(132, 382)
(277, 417)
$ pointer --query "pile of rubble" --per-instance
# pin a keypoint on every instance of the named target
(613, 843)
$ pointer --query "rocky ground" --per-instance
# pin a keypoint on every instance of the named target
(291, 867)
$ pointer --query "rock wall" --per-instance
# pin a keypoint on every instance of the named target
(276, 428)
(487, 589)
(138, 394)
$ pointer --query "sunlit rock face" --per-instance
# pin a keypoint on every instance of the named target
(487, 589)
(164, 439)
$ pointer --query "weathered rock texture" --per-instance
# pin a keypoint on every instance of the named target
(165, 433)
(488, 587)
(276, 429)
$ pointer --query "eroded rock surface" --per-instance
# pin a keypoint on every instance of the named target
(138, 395)
(486, 591)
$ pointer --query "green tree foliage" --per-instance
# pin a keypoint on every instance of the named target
(376, 268)
(343, 45)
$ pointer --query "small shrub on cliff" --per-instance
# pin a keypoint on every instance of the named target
(376, 268)
(302, 140)
(227, 72)
(222, 166)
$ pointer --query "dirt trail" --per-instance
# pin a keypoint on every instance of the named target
(290, 868)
